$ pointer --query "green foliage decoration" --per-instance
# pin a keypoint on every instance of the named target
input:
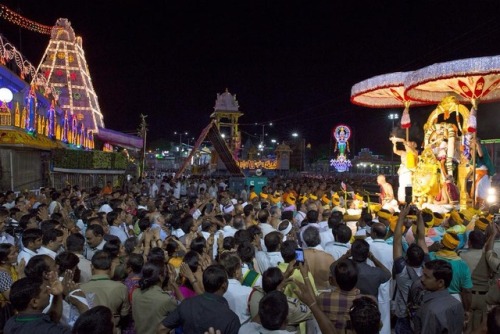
(77, 159)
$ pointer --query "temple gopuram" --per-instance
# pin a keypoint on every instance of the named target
(52, 129)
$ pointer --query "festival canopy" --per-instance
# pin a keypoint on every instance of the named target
(472, 79)
(385, 91)
(382, 91)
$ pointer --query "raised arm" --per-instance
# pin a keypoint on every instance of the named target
(397, 249)
(421, 232)
(394, 141)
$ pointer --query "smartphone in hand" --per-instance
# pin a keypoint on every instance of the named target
(299, 255)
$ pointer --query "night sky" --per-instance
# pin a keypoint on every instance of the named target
(292, 63)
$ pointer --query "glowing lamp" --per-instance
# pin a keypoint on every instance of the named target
(492, 196)
(6, 95)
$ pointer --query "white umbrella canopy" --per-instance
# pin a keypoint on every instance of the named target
(383, 91)
(472, 79)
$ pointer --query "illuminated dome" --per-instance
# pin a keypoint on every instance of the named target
(227, 102)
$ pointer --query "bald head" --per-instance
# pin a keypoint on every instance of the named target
(378, 231)
(263, 216)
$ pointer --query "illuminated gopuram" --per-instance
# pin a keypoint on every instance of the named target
(66, 70)
(226, 114)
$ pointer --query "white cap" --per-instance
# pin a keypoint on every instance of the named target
(228, 208)
(287, 229)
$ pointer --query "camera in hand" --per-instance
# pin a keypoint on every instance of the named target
(408, 195)
(496, 218)
(413, 210)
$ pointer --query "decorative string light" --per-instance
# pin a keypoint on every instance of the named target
(23, 22)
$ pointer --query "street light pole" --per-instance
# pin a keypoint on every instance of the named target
(180, 137)
(262, 145)
(301, 146)
(143, 131)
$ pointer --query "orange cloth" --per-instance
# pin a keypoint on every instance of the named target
(107, 190)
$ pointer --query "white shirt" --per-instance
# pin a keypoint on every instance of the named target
(69, 311)
(85, 269)
(25, 254)
(9, 205)
(337, 249)
(253, 327)
(245, 269)
(81, 226)
(89, 251)
(183, 191)
(177, 190)
(363, 231)
(178, 233)
(52, 206)
(206, 235)
(266, 260)
(6, 238)
(326, 236)
(119, 232)
(196, 214)
(237, 298)
(244, 195)
(153, 190)
(229, 231)
(163, 234)
(45, 251)
(166, 186)
(299, 217)
(212, 191)
(383, 252)
(266, 228)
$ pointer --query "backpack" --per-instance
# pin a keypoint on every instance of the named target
(415, 295)
(398, 299)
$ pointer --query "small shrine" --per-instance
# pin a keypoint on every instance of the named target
(226, 114)
(283, 152)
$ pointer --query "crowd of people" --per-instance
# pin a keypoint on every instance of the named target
(190, 255)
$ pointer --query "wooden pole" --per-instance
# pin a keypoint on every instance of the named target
(473, 153)
(143, 130)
